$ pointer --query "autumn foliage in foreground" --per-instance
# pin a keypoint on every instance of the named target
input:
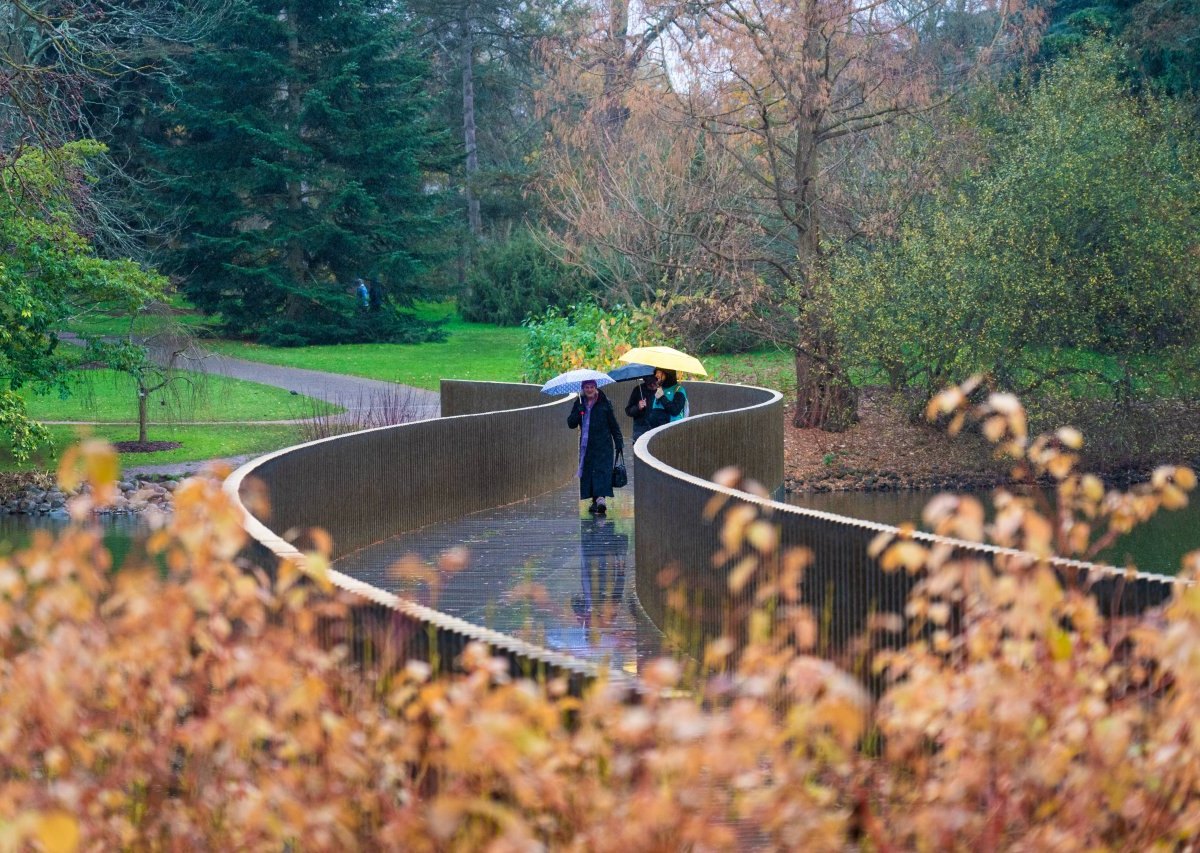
(195, 709)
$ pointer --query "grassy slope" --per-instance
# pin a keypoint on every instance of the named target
(471, 351)
(476, 351)
(107, 396)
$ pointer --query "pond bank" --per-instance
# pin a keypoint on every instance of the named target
(39, 498)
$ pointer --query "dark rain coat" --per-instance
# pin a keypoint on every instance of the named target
(603, 441)
(648, 418)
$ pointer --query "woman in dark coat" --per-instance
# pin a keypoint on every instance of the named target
(646, 416)
(599, 441)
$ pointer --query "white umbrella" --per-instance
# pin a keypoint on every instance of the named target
(570, 382)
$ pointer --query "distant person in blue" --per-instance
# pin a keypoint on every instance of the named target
(364, 295)
(600, 440)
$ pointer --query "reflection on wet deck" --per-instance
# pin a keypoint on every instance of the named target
(543, 570)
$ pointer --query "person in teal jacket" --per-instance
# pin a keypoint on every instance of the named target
(670, 396)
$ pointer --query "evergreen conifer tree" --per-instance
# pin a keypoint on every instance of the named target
(298, 143)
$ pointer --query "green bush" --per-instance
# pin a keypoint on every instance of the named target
(1069, 257)
(517, 279)
(585, 335)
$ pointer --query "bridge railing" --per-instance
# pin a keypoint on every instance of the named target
(496, 443)
(843, 585)
(499, 443)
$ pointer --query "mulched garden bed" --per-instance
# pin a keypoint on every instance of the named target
(886, 450)
(145, 446)
(889, 450)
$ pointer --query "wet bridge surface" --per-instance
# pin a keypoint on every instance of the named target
(544, 570)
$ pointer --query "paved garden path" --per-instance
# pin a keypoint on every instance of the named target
(350, 392)
(365, 400)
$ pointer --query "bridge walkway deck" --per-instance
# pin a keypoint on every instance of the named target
(544, 570)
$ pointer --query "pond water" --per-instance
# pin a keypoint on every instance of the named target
(1157, 546)
(123, 534)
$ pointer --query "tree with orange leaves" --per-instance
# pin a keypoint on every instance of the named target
(747, 143)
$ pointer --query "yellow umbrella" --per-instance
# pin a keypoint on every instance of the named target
(666, 358)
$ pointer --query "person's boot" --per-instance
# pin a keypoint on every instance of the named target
(601, 509)
(593, 508)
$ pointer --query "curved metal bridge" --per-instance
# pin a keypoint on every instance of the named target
(468, 528)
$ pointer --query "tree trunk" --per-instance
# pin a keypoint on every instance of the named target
(468, 96)
(825, 399)
(616, 69)
(143, 397)
(295, 249)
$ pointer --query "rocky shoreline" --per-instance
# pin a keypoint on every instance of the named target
(134, 496)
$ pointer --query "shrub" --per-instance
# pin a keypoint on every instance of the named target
(518, 278)
(199, 710)
(345, 324)
(1069, 255)
(585, 335)
(726, 322)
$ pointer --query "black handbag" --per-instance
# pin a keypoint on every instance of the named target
(620, 476)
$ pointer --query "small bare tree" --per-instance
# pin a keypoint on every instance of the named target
(152, 352)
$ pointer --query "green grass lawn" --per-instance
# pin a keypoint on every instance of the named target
(477, 351)
(107, 320)
(199, 442)
(108, 396)
(767, 369)
(470, 351)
